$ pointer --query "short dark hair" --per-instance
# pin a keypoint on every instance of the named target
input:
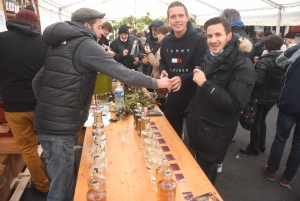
(108, 26)
(90, 22)
(140, 34)
(273, 42)
(163, 30)
(176, 4)
(218, 20)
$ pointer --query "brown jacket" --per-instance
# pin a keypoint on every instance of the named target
(154, 61)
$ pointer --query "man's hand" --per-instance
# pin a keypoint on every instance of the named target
(164, 83)
(199, 77)
(125, 52)
(147, 49)
(136, 61)
(111, 53)
(163, 74)
(176, 83)
(106, 47)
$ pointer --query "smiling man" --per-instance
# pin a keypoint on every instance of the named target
(181, 51)
(225, 81)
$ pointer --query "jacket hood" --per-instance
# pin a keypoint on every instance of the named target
(60, 32)
(189, 32)
(23, 27)
(272, 53)
(155, 23)
(245, 45)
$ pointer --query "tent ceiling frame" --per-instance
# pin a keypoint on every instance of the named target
(213, 7)
(272, 3)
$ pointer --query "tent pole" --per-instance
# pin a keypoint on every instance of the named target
(279, 16)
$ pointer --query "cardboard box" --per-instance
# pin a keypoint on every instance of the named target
(6, 176)
(17, 163)
(4, 186)
(5, 130)
(8, 173)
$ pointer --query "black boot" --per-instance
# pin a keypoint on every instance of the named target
(262, 148)
(250, 151)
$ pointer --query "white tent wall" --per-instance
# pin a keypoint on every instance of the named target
(254, 12)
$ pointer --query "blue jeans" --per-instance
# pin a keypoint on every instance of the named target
(285, 124)
(59, 153)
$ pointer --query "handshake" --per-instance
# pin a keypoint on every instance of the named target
(166, 85)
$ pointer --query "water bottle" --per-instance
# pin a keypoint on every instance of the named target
(119, 97)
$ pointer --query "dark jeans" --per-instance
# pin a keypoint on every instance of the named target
(285, 124)
(259, 129)
(175, 115)
(209, 168)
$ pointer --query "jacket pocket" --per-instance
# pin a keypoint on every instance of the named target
(208, 132)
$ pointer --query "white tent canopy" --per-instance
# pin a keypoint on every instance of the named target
(253, 12)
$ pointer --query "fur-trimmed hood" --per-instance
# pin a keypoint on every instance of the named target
(245, 45)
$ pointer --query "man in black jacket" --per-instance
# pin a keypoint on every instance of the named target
(225, 81)
(151, 40)
(181, 51)
(103, 41)
(23, 54)
(122, 47)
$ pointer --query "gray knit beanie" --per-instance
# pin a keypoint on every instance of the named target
(231, 14)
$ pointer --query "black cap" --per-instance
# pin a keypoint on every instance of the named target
(85, 14)
(124, 29)
(267, 33)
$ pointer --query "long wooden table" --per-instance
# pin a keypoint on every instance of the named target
(127, 176)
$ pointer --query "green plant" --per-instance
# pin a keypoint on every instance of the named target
(133, 95)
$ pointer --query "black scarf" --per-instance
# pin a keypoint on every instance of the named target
(222, 59)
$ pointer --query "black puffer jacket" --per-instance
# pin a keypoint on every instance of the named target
(65, 95)
(216, 107)
(269, 77)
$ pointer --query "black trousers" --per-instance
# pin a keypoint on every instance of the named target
(259, 130)
(209, 168)
(175, 115)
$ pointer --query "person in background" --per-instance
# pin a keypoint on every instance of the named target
(269, 77)
(133, 31)
(64, 88)
(23, 54)
(180, 51)
(258, 48)
(288, 117)
(141, 35)
(290, 39)
(122, 47)
(225, 79)
(237, 26)
(154, 58)
(103, 41)
(151, 40)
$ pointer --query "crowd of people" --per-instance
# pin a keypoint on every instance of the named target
(210, 75)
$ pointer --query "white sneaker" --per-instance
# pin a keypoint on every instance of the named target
(219, 167)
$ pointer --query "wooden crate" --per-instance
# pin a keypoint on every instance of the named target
(8, 146)
(12, 164)
(22, 181)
